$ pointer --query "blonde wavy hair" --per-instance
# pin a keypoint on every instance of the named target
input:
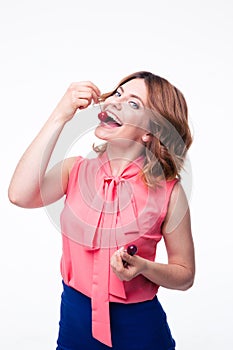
(170, 133)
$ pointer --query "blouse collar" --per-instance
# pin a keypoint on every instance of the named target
(131, 170)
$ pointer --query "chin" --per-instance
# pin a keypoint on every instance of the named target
(100, 134)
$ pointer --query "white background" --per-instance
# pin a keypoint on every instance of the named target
(47, 44)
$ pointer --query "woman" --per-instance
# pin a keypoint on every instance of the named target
(129, 194)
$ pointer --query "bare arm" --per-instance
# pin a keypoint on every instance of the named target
(179, 272)
(31, 186)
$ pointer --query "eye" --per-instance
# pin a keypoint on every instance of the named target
(134, 105)
(117, 93)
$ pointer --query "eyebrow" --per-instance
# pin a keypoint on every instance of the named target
(132, 95)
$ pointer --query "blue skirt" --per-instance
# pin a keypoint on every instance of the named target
(137, 326)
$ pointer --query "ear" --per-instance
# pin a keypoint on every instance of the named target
(146, 137)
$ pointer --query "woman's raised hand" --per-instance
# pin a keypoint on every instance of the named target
(39, 187)
(78, 96)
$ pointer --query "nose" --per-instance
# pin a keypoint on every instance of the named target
(115, 104)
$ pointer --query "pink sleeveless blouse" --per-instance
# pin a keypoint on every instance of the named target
(101, 214)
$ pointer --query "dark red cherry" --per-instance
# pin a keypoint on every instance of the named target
(132, 249)
(102, 116)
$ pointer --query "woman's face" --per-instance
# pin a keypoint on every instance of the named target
(127, 115)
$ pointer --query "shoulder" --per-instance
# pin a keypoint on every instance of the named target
(70, 163)
(73, 165)
(178, 207)
(178, 196)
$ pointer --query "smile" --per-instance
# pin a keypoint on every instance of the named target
(110, 119)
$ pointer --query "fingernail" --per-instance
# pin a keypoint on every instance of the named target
(120, 250)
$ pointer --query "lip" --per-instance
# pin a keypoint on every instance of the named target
(114, 116)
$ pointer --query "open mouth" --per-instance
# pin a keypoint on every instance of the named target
(110, 119)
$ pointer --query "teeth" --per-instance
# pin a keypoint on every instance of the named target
(112, 116)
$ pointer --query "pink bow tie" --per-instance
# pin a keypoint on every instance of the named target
(113, 199)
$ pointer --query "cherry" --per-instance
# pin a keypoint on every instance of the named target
(132, 249)
(102, 116)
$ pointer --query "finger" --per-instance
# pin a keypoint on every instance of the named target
(84, 94)
(127, 258)
(88, 85)
(95, 97)
(116, 261)
(79, 100)
(87, 93)
(93, 87)
(83, 103)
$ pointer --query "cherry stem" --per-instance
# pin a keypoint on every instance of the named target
(99, 99)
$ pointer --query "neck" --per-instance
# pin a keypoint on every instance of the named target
(120, 157)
